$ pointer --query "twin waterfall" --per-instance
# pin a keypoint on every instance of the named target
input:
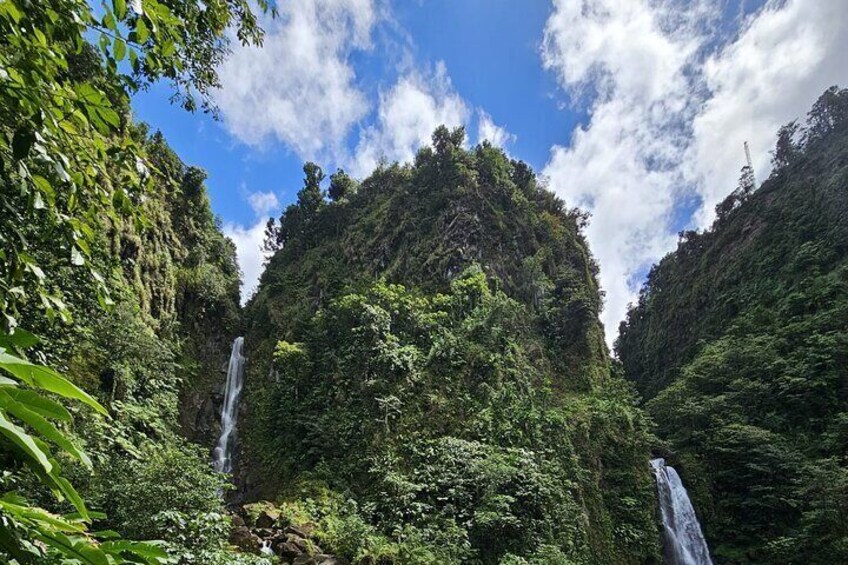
(223, 454)
(684, 541)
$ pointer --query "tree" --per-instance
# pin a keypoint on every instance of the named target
(310, 198)
(829, 111)
(271, 242)
(61, 104)
(22, 403)
(341, 185)
(70, 159)
(786, 146)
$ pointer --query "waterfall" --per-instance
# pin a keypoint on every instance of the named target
(223, 454)
(684, 541)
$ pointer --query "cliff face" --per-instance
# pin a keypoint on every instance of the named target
(428, 346)
(739, 342)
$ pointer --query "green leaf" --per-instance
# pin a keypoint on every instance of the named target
(120, 49)
(38, 515)
(109, 116)
(45, 187)
(41, 425)
(24, 442)
(19, 339)
(47, 379)
(141, 31)
(145, 550)
(39, 404)
(120, 7)
(78, 548)
(72, 495)
(109, 21)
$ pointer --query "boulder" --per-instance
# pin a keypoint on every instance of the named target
(324, 559)
(238, 521)
(298, 542)
(286, 551)
(245, 540)
(303, 531)
(266, 519)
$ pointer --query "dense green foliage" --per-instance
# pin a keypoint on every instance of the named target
(102, 226)
(739, 343)
(175, 286)
(428, 346)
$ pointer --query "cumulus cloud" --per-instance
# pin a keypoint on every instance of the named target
(299, 87)
(263, 203)
(668, 112)
(248, 242)
(488, 130)
(407, 115)
(621, 166)
(785, 57)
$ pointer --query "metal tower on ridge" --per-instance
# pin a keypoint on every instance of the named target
(750, 164)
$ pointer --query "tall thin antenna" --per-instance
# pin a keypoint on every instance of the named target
(750, 164)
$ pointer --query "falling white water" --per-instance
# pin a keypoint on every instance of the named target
(223, 454)
(265, 548)
(684, 541)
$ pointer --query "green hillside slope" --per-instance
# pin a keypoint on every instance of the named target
(425, 358)
(739, 343)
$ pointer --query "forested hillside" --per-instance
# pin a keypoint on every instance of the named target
(428, 380)
(739, 345)
(118, 292)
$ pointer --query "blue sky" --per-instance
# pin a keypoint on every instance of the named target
(634, 110)
(490, 49)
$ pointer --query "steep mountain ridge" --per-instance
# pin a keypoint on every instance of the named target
(425, 357)
(739, 343)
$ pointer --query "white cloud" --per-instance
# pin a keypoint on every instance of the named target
(299, 86)
(621, 165)
(248, 242)
(667, 119)
(263, 203)
(408, 114)
(784, 58)
(488, 130)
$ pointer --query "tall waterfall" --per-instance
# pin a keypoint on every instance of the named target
(223, 454)
(684, 541)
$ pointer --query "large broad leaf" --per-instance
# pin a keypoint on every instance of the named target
(19, 339)
(37, 403)
(47, 379)
(150, 552)
(41, 425)
(30, 513)
(72, 495)
(25, 443)
(80, 548)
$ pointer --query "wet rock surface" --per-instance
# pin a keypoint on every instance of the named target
(263, 531)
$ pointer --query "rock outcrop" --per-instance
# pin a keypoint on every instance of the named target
(260, 529)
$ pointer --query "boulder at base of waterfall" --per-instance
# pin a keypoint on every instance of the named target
(286, 551)
(303, 531)
(262, 524)
(320, 559)
(245, 540)
(266, 520)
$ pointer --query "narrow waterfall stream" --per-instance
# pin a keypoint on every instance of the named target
(684, 541)
(223, 454)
